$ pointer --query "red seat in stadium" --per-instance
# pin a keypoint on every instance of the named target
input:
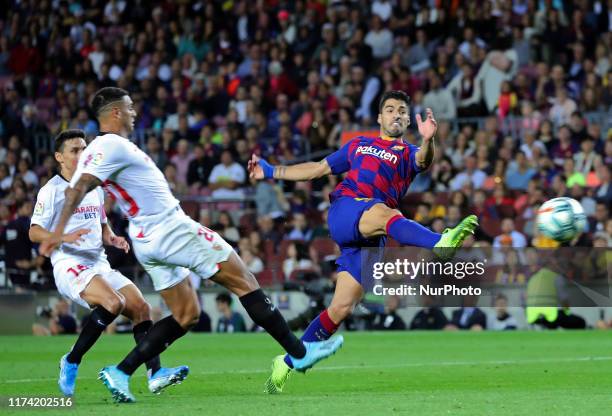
(490, 226)
(265, 278)
(324, 246)
(506, 211)
(295, 275)
(247, 222)
(284, 246)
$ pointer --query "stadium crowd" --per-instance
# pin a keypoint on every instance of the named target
(521, 90)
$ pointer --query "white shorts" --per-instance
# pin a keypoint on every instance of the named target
(73, 274)
(174, 245)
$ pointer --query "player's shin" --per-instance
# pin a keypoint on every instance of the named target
(266, 315)
(140, 331)
(99, 319)
(157, 339)
(411, 233)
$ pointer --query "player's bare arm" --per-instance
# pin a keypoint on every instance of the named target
(427, 129)
(38, 234)
(300, 172)
(74, 196)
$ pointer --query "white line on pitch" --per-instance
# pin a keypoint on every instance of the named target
(375, 367)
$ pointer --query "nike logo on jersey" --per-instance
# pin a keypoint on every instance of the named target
(379, 153)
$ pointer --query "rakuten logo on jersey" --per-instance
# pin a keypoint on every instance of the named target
(379, 153)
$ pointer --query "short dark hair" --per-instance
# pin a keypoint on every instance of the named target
(65, 135)
(224, 298)
(105, 96)
(395, 95)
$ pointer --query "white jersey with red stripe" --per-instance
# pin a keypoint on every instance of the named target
(166, 242)
(88, 215)
(129, 176)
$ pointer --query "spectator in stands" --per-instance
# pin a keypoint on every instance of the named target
(597, 223)
(519, 173)
(603, 192)
(25, 173)
(466, 92)
(502, 320)
(199, 168)
(298, 258)
(563, 107)
(430, 317)
(470, 175)
(229, 320)
(61, 320)
(509, 236)
(18, 247)
(177, 187)
(439, 99)
(299, 228)
(227, 178)
(453, 216)
(181, 161)
(442, 174)
(587, 159)
(462, 149)
(389, 320)
(253, 263)
(380, 39)
(156, 153)
(226, 228)
(468, 317)
(268, 232)
(270, 199)
(6, 180)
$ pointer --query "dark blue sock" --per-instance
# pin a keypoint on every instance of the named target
(411, 233)
(320, 329)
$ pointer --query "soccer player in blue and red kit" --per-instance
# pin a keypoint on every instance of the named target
(364, 208)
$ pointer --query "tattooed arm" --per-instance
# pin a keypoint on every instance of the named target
(74, 196)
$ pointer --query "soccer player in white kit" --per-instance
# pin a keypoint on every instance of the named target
(167, 243)
(82, 272)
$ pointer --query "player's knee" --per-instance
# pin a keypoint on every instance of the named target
(143, 310)
(189, 316)
(114, 303)
(388, 214)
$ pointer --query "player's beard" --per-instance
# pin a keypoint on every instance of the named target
(395, 132)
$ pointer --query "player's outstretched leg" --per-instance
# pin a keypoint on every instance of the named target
(234, 275)
(347, 295)
(182, 301)
(139, 312)
(382, 220)
(108, 304)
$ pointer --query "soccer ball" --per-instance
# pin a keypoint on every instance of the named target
(561, 219)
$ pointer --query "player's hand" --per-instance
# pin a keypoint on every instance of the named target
(120, 243)
(50, 244)
(255, 170)
(75, 237)
(427, 127)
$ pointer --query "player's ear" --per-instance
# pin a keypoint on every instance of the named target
(59, 157)
(378, 119)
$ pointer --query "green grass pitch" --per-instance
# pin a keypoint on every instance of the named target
(404, 373)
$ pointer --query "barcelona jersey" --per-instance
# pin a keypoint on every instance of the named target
(377, 168)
